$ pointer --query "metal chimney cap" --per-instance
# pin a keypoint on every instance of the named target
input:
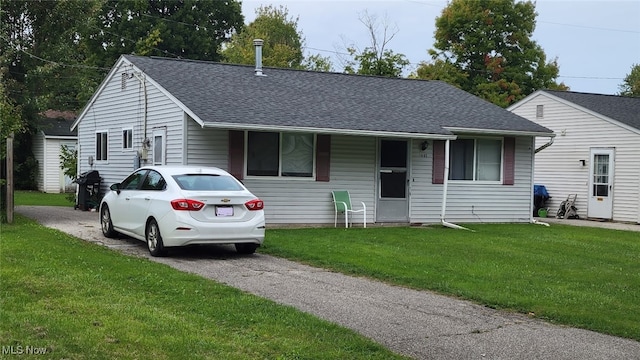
(258, 42)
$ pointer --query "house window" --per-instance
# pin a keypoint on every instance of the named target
(159, 147)
(539, 111)
(102, 146)
(476, 159)
(127, 138)
(280, 154)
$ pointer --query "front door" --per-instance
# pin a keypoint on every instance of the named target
(600, 204)
(393, 197)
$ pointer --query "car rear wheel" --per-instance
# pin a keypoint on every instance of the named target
(244, 248)
(105, 222)
(154, 239)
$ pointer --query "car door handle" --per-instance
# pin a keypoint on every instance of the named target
(147, 198)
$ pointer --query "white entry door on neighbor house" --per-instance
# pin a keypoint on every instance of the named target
(600, 202)
(393, 194)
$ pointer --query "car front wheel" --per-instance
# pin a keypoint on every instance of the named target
(244, 248)
(105, 222)
(154, 239)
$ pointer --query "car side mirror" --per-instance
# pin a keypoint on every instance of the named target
(115, 187)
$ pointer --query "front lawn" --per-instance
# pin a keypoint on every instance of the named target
(24, 197)
(65, 298)
(582, 277)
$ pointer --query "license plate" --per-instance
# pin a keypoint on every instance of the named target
(224, 210)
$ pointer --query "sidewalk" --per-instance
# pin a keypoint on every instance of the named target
(592, 223)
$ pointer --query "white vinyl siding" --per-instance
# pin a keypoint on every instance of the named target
(115, 109)
(353, 165)
(425, 200)
(468, 201)
(559, 168)
(205, 146)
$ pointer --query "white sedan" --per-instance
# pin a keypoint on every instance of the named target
(168, 206)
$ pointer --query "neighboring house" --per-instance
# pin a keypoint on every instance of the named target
(53, 131)
(596, 153)
(292, 136)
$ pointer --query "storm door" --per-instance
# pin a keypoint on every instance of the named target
(393, 195)
(600, 202)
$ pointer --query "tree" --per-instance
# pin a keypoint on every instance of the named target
(485, 47)
(43, 57)
(631, 84)
(376, 59)
(317, 62)
(69, 161)
(282, 40)
(176, 28)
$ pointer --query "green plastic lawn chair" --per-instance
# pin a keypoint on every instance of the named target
(342, 204)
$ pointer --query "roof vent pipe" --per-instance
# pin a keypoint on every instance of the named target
(257, 43)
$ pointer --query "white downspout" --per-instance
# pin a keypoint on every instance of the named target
(544, 146)
(533, 168)
(445, 186)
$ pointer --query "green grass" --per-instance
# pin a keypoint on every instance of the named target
(582, 277)
(21, 197)
(79, 300)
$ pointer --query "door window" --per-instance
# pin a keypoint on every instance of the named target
(601, 175)
(393, 169)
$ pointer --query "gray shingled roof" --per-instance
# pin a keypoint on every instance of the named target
(56, 127)
(620, 108)
(226, 93)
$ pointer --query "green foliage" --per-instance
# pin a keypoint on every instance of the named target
(583, 277)
(376, 59)
(282, 40)
(490, 41)
(317, 62)
(10, 121)
(440, 70)
(631, 84)
(25, 172)
(69, 161)
(80, 300)
(372, 62)
(175, 28)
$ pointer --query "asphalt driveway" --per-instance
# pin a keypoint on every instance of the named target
(419, 324)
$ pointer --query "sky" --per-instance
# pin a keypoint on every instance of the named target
(596, 43)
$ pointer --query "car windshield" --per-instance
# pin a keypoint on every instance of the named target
(207, 182)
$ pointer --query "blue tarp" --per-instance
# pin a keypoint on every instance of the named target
(540, 190)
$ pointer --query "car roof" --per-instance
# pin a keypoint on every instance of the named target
(186, 169)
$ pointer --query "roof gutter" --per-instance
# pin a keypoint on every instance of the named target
(352, 132)
(497, 132)
(444, 192)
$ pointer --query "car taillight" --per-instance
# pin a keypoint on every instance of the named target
(255, 204)
(187, 204)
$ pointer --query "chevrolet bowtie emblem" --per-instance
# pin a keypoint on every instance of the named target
(225, 200)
